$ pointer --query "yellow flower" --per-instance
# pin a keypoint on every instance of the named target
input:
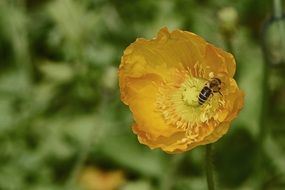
(161, 79)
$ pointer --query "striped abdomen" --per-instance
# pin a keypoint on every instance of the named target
(204, 95)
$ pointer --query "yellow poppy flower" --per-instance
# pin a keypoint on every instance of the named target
(161, 81)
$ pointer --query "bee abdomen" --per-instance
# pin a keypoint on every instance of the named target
(204, 95)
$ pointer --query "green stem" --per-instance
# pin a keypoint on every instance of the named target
(82, 157)
(209, 167)
(169, 178)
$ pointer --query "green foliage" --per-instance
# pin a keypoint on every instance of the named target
(60, 108)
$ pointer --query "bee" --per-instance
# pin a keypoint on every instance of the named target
(211, 87)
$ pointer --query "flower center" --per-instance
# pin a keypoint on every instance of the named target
(180, 106)
(190, 91)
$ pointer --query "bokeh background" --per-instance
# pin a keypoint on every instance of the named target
(63, 126)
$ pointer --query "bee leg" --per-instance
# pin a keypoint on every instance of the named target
(208, 102)
(212, 94)
(220, 93)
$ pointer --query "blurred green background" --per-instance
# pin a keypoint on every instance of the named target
(63, 126)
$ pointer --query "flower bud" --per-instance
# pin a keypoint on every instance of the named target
(228, 19)
(273, 40)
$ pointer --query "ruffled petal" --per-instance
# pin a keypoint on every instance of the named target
(214, 62)
(163, 54)
(168, 144)
(141, 95)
